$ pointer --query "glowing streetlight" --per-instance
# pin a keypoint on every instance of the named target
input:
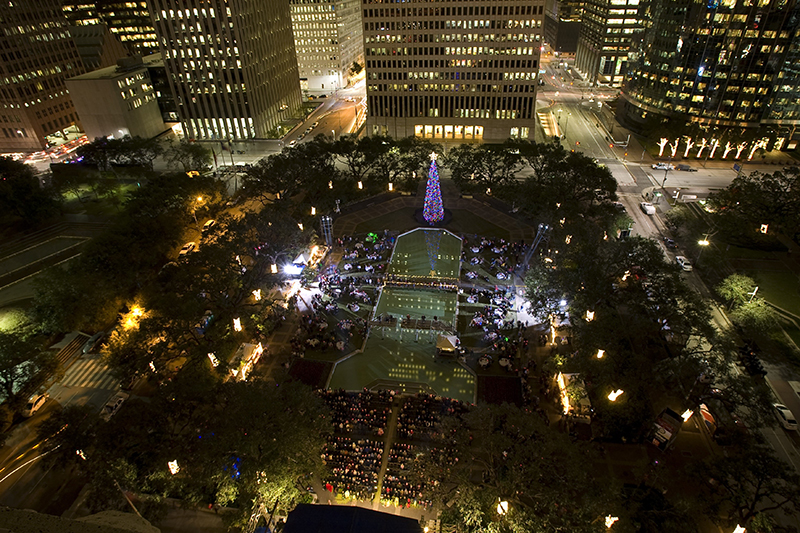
(391, 186)
(257, 295)
(739, 529)
(610, 520)
(687, 414)
(213, 359)
(274, 268)
(330, 184)
(600, 354)
(360, 185)
(173, 467)
(80, 454)
(614, 395)
(589, 316)
(313, 211)
(300, 225)
(199, 198)
(237, 324)
(502, 507)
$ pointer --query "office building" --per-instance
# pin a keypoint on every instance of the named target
(232, 66)
(721, 63)
(129, 21)
(119, 100)
(608, 29)
(328, 40)
(97, 46)
(569, 14)
(452, 70)
(37, 55)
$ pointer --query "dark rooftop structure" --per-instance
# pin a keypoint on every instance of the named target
(345, 519)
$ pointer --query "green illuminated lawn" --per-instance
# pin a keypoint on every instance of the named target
(415, 251)
(398, 356)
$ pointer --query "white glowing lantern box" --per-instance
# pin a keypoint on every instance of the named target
(244, 359)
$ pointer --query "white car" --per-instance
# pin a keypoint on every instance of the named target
(209, 224)
(663, 166)
(34, 404)
(187, 248)
(314, 125)
(113, 405)
(648, 208)
(785, 416)
(684, 263)
(292, 142)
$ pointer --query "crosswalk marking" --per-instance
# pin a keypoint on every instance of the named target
(90, 372)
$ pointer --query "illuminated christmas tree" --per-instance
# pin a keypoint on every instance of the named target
(433, 210)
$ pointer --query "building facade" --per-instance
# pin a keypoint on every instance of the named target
(608, 30)
(232, 65)
(452, 70)
(38, 55)
(117, 101)
(717, 62)
(129, 21)
(328, 40)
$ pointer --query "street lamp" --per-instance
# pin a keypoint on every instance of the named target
(703, 243)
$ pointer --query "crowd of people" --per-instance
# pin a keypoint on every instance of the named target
(396, 488)
(421, 413)
(359, 412)
(507, 255)
(354, 465)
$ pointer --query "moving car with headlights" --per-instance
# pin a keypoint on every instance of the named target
(684, 263)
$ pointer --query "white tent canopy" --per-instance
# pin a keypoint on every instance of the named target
(446, 343)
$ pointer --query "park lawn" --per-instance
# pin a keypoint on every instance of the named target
(779, 288)
(464, 221)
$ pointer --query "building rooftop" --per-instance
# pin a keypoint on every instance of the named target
(123, 67)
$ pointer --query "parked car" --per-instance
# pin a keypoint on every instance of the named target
(669, 243)
(113, 405)
(292, 142)
(684, 263)
(90, 344)
(785, 416)
(648, 208)
(187, 248)
(209, 224)
(686, 168)
(663, 166)
(35, 403)
(314, 125)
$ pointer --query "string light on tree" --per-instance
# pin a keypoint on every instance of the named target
(433, 210)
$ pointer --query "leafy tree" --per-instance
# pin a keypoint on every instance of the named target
(755, 316)
(67, 431)
(361, 156)
(482, 166)
(189, 155)
(562, 184)
(739, 486)
(485, 458)
(23, 365)
(22, 195)
(756, 199)
(735, 289)
(66, 298)
(285, 175)
(356, 68)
